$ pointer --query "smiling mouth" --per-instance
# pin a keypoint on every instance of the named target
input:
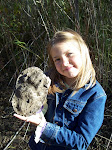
(68, 68)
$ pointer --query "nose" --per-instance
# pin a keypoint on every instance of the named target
(65, 61)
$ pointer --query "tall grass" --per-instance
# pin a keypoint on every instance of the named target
(34, 22)
(26, 27)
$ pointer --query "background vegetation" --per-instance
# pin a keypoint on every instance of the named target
(25, 28)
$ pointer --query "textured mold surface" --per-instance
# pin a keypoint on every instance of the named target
(31, 91)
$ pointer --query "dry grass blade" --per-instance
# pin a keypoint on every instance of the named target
(109, 142)
(14, 136)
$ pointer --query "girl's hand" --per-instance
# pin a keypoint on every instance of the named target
(35, 119)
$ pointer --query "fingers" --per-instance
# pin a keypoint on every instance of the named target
(20, 117)
(35, 119)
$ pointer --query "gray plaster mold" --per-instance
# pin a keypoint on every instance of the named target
(31, 91)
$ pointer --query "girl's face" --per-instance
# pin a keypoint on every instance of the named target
(67, 59)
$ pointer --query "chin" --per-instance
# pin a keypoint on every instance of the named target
(73, 75)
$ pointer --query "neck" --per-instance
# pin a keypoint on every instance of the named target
(69, 81)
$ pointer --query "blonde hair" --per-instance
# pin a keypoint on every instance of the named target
(87, 73)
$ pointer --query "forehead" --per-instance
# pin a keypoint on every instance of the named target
(63, 47)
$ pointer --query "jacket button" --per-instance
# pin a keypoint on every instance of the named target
(75, 110)
(46, 140)
(60, 108)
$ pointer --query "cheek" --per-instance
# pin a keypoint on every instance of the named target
(57, 67)
(77, 62)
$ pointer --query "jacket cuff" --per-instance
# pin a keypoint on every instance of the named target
(50, 132)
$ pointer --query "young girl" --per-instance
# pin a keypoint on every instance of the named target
(76, 101)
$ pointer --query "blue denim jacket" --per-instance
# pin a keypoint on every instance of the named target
(72, 120)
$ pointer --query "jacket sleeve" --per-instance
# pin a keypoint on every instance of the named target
(89, 122)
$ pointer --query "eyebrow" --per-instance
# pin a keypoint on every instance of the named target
(64, 53)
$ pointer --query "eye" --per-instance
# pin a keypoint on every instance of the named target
(69, 54)
(58, 59)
